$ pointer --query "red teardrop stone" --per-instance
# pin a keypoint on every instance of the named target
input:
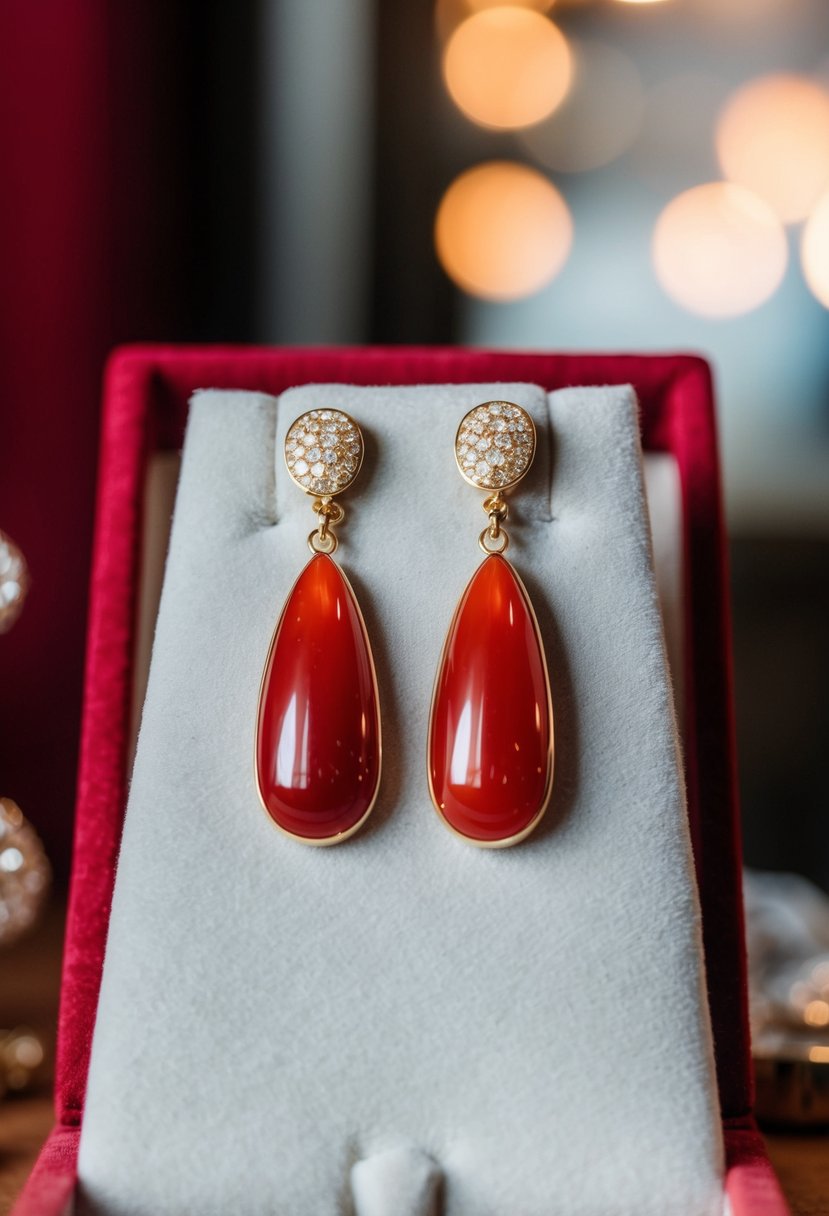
(491, 733)
(318, 730)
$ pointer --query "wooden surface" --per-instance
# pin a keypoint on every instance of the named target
(24, 1125)
(802, 1165)
(29, 984)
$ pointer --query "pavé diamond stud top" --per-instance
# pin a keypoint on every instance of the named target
(495, 445)
(324, 451)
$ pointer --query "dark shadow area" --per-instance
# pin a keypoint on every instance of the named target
(781, 653)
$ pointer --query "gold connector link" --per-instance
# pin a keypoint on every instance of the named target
(494, 538)
(323, 539)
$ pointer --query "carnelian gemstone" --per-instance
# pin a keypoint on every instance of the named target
(491, 734)
(318, 729)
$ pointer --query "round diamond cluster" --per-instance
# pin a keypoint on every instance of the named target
(495, 445)
(323, 451)
(24, 873)
(14, 582)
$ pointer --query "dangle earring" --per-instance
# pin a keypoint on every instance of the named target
(490, 759)
(317, 753)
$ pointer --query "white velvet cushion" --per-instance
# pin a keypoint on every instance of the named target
(528, 1026)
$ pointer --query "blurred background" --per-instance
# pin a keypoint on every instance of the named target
(602, 174)
(636, 175)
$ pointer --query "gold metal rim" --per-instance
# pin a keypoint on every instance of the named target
(509, 841)
(339, 837)
(486, 535)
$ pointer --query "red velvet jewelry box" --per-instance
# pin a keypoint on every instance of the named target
(145, 406)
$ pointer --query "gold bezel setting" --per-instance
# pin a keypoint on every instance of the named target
(495, 445)
(338, 837)
(517, 838)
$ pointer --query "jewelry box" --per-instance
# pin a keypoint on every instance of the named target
(147, 391)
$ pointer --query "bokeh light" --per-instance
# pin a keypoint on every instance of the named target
(719, 250)
(477, 6)
(814, 251)
(673, 149)
(507, 67)
(450, 13)
(600, 116)
(773, 137)
(816, 1013)
(502, 231)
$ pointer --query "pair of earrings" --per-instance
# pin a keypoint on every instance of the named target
(490, 746)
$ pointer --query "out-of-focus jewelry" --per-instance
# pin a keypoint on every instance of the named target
(21, 1055)
(14, 582)
(24, 873)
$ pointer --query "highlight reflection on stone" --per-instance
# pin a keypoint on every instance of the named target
(318, 729)
(491, 733)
